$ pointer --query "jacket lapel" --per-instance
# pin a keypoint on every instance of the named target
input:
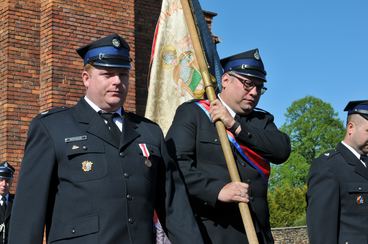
(351, 159)
(91, 122)
(129, 131)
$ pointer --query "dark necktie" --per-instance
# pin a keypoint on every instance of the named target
(3, 206)
(237, 117)
(364, 158)
(113, 128)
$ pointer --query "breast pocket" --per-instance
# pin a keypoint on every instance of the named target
(352, 238)
(86, 160)
(210, 148)
(358, 196)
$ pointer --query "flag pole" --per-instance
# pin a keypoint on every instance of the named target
(210, 92)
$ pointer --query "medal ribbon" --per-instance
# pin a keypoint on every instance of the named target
(144, 149)
(251, 157)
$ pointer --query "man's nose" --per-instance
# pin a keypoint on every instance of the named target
(116, 79)
(254, 91)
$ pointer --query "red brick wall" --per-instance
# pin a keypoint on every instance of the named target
(39, 66)
(20, 75)
(146, 15)
(65, 27)
(3, 78)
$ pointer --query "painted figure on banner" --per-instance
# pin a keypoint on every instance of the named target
(174, 73)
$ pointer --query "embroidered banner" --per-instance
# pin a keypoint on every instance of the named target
(174, 73)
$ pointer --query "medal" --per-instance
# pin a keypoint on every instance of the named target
(146, 154)
(148, 163)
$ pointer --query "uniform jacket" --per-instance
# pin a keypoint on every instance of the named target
(194, 140)
(337, 198)
(5, 218)
(86, 189)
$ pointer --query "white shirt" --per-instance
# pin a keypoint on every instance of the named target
(232, 113)
(117, 120)
(6, 199)
(354, 152)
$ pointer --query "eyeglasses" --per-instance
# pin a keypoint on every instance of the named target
(248, 85)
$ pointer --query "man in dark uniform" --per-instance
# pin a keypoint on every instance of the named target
(337, 197)
(6, 200)
(255, 141)
(94, 173)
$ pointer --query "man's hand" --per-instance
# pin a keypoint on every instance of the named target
(219, 112)
(234, 192)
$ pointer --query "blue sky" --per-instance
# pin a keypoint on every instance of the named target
(315, 47)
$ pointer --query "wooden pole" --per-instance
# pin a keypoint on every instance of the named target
(210, 91)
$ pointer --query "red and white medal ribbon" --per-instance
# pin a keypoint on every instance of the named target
(146, 154)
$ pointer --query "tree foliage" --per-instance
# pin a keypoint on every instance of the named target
(313, 127)
(287, 206)
(293, 172)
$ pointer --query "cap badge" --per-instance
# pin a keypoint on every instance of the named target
(87, 166)
(256, 55)
(115, 42)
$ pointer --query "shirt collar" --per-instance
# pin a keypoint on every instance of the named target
(6, 197)
(353, 151)
(232, 113)
(97, 109)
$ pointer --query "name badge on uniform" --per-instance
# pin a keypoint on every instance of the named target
(87, 166)
(146, 154)
(75, 138)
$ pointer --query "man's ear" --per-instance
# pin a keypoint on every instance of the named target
(350, 127)
(225, 79)
(85, 77)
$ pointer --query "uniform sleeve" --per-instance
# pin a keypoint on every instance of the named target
(181, 140)
(262, 135)
(176, 215)
(32, 194)
(322, 204)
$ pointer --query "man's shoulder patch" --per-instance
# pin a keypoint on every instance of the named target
(52, 111)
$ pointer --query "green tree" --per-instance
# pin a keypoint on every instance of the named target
(287, 206)
(313, 127)
(292, 173)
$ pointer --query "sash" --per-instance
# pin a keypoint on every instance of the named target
(251, 157)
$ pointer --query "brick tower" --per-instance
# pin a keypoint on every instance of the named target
(39, 66)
